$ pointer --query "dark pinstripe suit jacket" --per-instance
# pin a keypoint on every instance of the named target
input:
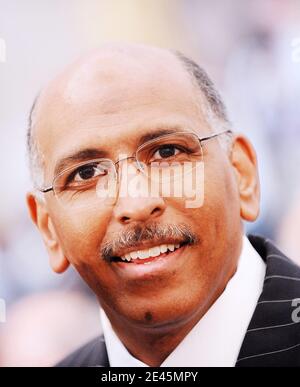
(273, 336)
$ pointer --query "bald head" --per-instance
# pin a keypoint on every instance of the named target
(110, 78)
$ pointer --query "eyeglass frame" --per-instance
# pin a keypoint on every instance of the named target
(133, 157)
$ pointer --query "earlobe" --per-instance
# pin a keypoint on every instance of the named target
(40, 216)
(244, 161)
(58, 261)
(31, 204)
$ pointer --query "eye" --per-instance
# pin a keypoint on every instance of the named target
(87, 172)
(166, 151)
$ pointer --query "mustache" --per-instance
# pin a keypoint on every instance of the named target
(133, 237)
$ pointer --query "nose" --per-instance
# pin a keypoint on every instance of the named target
(132, 208)
(129, 210)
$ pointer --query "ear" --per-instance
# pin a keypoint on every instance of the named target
(244, 161)
(40, 216)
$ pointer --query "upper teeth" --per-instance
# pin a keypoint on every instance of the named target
(152, 252)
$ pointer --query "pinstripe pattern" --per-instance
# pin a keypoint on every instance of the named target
(273, 338)
(282, 277)
(270, 353)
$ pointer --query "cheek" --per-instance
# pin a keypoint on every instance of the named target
(221, 200)
(215, 191)
(81, 233)
(81, 236)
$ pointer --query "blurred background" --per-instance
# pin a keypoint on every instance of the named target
(250, 48)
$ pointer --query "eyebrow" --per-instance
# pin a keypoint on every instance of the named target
(94, 153)
(77, 157)
(160, 132)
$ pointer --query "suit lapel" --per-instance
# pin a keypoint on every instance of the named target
(273, 338)
(99, 356)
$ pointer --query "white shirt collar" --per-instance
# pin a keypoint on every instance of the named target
(215, 341)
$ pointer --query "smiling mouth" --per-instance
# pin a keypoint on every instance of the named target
(148, 255)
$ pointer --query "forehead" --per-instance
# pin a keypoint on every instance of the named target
(112, 100)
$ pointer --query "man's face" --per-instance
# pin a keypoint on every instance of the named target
(108, 105)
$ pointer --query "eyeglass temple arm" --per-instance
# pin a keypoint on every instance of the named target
(214, 135)
(45, 190)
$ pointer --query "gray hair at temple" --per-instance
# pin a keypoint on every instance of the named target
(214, 111)
(35, 157)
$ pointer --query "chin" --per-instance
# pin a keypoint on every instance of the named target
(161, 316)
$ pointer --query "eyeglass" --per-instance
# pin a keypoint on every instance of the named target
(161, 158)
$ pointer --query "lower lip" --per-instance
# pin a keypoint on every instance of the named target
(151, 266)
